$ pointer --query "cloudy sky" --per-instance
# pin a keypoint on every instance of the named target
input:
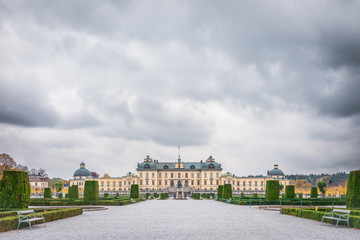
(252, 83)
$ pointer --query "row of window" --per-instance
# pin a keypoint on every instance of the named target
(191, 167)
(250, 183)
(192, 182)
(119, 183)
(179, 175)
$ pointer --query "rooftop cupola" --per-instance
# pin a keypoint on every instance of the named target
(148, 159)
(210, 159)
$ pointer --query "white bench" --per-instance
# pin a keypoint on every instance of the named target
(132, 200)
(338, 215)
(29, 216)
(229, 200)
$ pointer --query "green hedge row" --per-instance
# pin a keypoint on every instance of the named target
(220, 191)
(272, 190)
(110, 202)
(164, 196)
(195, 195)
(290, 191)
(74, 192)
(15, 190)
(314, 192)
(353, 190)
(91, 191)
(134, 192)
(354, 220)
(11, 222)
(47, 193)
(208, 195)
(227, 191)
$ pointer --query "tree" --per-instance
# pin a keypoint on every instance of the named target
(281, 187)
(58, 186)
(353, 190)
(272, 190)
(134, 193)
(7, 163)
(15, 190)
(322, 187)
(106, 175)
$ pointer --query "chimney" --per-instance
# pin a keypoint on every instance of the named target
(276, 166)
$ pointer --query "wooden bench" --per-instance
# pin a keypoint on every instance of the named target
(29, 216)
(338, 215)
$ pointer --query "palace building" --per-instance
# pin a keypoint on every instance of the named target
(178, 177)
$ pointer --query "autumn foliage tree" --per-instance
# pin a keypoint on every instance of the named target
(7, 163)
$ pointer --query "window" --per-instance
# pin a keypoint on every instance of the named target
(198, 182)
(147, 166)
(192, 167)
(179, 175)
(140, 174)
(217, 182)
(262, 183)
(140, 182)
(204, 182)
(217, 174)
(159, 175)
(159, 182)
(153, 175)
(233, 183)
(211, 166)
(108, 184)
(114, 184)
(255, 183)
(153, 182)
(211, 182)
(147, 175)
(198, 175)
(192, 175)
(102, 184)
(211, 175)
(205, 175)
(120, 183)
(249, 183)
(166, 175)
(192, 182)
(238, 183)
(165, 182)
(244, 183)
(166, 167)
(147, 182)
(172, 175)
(186, 175)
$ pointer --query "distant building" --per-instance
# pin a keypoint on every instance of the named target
(38, 183)
(178, 176)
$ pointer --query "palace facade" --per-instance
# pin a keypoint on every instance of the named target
(155, 176)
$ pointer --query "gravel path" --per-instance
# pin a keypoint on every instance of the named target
(180, 219)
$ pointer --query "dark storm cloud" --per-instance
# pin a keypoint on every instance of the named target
(25, 105)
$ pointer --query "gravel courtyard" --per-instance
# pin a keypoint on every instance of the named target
(180, 219)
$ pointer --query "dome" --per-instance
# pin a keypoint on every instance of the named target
(276, 171)
(82, 171)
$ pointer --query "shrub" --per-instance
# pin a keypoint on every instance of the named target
(314, 192)
(73, 192)
(195, 195)
(242, 195)
(147, 195)
(117, 194)
(106, 195)
(60, 195)
(272, 190)
(156, 195)
(134, 192)
(300, 195)
(290, 191)
(220, 191)
(47, 193)
(66, 195)
(353, 190)
(227, 191)
(255, 195)
(15, 192)
(164, 195)
(322, 187)
(91, 191)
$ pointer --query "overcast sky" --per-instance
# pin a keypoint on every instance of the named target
(252, 83)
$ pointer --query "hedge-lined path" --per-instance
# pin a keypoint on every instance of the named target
(187, 219)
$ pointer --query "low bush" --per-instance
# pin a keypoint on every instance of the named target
(106, 195)
(164, 196)
(10, 222)
(156, 195)
(60, 195)
(195, 196)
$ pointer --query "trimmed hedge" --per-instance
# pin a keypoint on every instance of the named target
(354, 220)
(290, 191)
(72, 202)
(314, 192)
(272, 190)
(11, 222)
(47, 193)
(164, 196)
(15, 190)
(195, 195)
(74, 192)
(220, 191)
(353, 190)
(227, 191)
(156, 195)
(60, 195)
(91, 191)
(134, 192)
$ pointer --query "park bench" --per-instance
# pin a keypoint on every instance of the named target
(338, 215)
(132, 200)
(29, 216)
(229, 200)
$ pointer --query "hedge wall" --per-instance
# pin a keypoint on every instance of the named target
(73, 192)
(227, 191)
(134, 192)
(11, 222)
(195, 196)
(353, 190)
(15, 192)
(47, 193)
(164, 196)
(354, 220)
(314, 192)
(91, 191)
(60, 195)
(290, 191)
(220, 191)
(272, 190)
